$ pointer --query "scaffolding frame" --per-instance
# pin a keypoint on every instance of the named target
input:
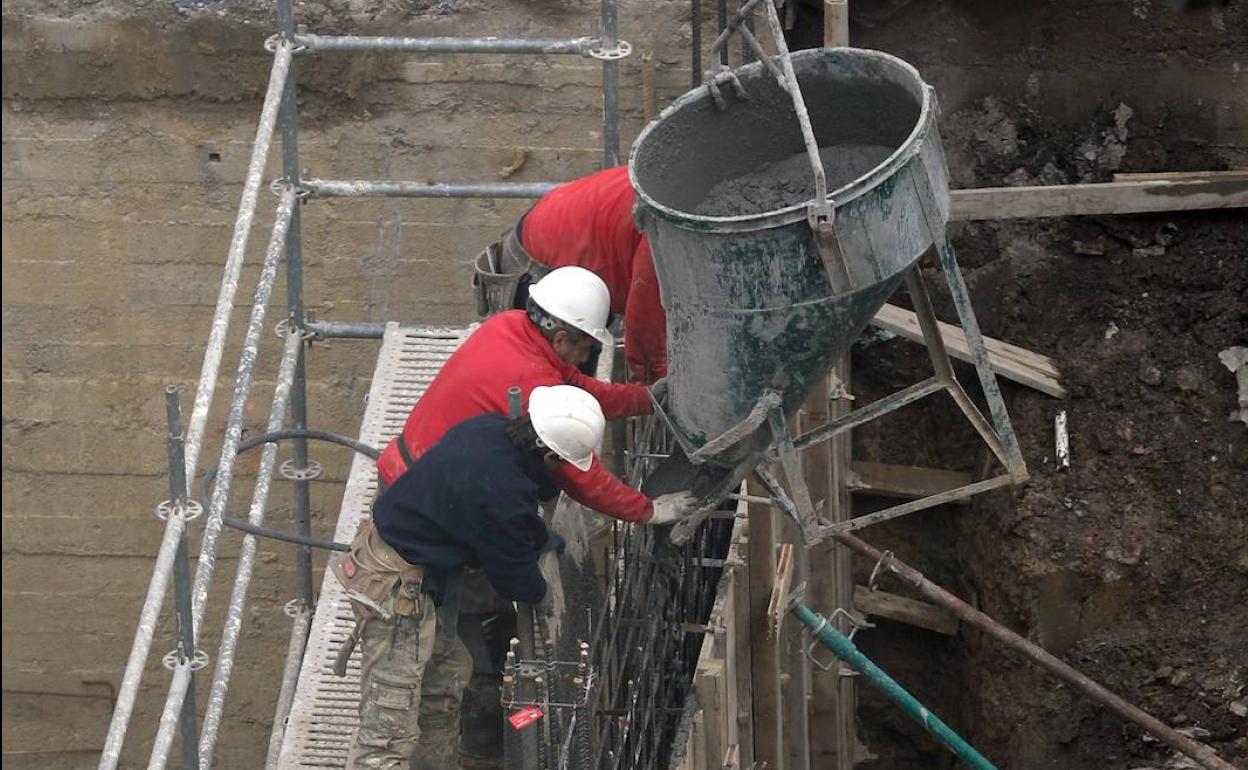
(290, 394)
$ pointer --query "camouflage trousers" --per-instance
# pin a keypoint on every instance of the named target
(411, 684)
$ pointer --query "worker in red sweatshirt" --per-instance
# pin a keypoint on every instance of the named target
(563, 323)
(588, 223)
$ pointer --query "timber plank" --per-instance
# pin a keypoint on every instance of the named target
(904, 481)
(1069, 200)
(1010, 361)
(911, 611)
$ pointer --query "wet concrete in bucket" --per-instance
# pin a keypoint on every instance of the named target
(788, 182)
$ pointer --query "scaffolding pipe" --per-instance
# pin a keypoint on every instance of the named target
(247, 556)
(295, 314)
(182, 573)
(229, 452)
(128, 691)
(610, 87)
(361, 188)
(353, 330)
(290, 680)
(234, 261)
(501, 45)
(844, 649)
(1203, 754)
(695, 43)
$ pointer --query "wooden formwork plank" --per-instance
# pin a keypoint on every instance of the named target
(905, 610)
(905, 481)
(1010, 361)
(1072, 200)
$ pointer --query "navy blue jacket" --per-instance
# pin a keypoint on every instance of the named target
(471, 499)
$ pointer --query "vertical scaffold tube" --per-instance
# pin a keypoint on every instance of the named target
(610, 86)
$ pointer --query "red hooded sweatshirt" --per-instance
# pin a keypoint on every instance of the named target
(589, 223)
(509, 350)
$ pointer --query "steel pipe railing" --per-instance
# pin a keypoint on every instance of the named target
(127, 692)
(229, 451)
(361, 188)
(247, 555)
(476, 45)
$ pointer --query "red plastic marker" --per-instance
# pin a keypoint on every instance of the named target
(524, 717)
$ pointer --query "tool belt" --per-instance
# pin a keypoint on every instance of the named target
(378, 581)
(500, 270)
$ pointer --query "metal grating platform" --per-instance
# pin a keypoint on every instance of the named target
(323, 715)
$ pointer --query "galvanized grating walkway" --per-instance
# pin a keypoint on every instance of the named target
(323, 716)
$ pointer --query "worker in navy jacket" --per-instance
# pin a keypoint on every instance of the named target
(471, 501)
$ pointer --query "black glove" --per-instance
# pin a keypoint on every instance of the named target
(554, 542)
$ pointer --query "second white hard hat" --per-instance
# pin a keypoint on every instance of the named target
(577, 297)
(569, 421)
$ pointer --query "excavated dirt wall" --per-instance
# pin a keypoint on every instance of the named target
(126, 134)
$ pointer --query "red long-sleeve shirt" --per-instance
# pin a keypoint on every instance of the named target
(509, 350)
(589, 223)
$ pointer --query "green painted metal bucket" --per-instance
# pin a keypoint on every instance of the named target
(724, 195)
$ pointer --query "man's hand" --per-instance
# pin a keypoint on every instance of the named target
(673, 507)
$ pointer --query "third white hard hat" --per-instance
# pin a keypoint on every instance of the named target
(569, 421)
(577, 297)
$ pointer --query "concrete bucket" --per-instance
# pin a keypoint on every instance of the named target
(765, 285)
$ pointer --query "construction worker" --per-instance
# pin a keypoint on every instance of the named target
(471, 500)
(588, 223)
(564, 321)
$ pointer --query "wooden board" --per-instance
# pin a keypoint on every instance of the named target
(1069, 200)
(764, 652)
(911, 611)
(1183, 176)
(1009, 361)
(905, 481)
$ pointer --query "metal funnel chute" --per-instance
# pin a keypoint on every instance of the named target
(781, 219)
(754, 304)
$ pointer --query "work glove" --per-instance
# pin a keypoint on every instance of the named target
(672, 507)
(658, 392)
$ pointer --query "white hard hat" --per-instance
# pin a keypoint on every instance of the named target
(577, 297)
(568, 421)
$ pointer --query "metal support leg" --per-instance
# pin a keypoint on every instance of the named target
(987, 378)
(808, 519)
(939, 356)
(1013, 456)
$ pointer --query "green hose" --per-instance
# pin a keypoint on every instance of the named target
(844, 649)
